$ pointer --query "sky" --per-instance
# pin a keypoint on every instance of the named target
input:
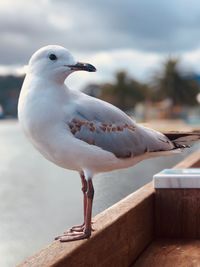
(132, 35)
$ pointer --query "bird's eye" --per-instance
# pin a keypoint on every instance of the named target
(52, 57)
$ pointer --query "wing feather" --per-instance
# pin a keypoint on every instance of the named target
(101, 124)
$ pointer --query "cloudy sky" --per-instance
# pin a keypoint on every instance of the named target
(135, 35)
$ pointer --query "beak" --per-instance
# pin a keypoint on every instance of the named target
(82, 66)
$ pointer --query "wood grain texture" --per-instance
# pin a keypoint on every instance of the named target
(177, 211)
(173, 253)
(121, 234)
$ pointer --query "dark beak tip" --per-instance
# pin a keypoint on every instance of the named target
(82, 66)
(91, 68)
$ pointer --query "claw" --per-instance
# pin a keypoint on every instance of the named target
(76, 228)
(74, 236)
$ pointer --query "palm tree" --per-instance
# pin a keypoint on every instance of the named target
(173, 84)
(124, 92)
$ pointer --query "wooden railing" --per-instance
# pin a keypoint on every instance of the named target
(121, 233)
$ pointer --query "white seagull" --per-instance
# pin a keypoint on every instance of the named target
(79, 132)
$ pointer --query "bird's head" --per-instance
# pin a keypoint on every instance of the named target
(56, 62)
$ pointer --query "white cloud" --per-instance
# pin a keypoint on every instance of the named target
(140, 65)
(59, 21)
(192, 60)
(13, 70)
(132, 35)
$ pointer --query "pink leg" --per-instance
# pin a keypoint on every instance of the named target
(80, 228)
(90, 196)
(85, 232)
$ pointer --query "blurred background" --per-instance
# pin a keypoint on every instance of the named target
(147, 54)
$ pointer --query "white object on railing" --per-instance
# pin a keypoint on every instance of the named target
(177, 178)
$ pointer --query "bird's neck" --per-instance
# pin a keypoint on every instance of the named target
(44, 81)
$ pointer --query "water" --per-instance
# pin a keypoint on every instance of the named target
(39, 200)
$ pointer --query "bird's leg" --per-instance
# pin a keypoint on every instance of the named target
(88, 218)
(86, 231)
(84, 190)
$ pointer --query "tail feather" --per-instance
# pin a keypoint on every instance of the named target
(183, 139)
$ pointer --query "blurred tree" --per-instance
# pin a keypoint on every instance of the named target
(124, 92)
(172, 84)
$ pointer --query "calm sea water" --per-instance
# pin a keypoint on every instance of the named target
(39, 200)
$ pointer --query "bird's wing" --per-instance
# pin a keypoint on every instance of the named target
(101, 124)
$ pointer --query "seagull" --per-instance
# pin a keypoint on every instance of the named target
(82, 133)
